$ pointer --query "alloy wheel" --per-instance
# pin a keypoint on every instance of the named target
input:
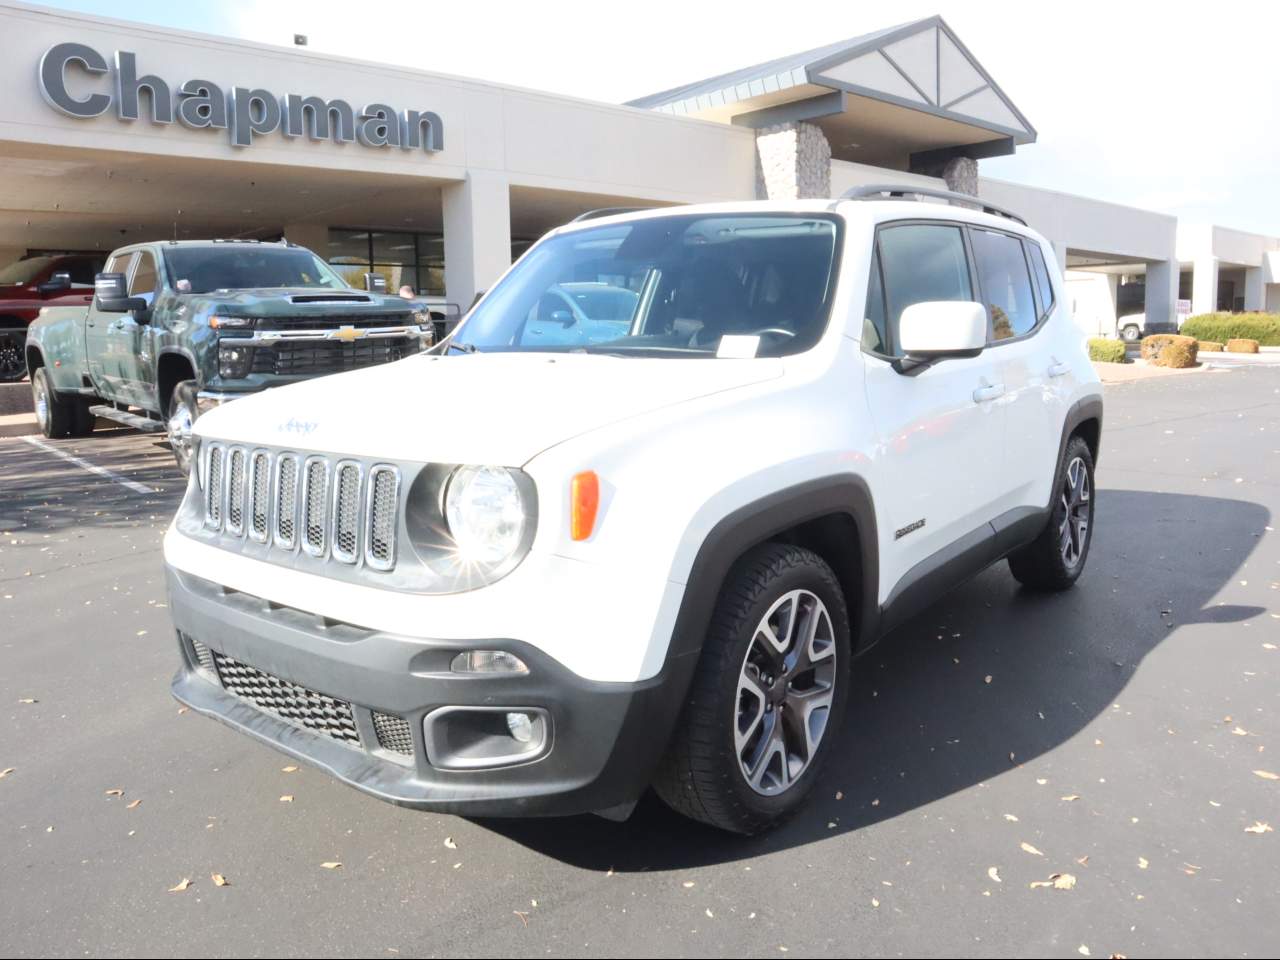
(1073, 530)
(40, 400)
(785, 690)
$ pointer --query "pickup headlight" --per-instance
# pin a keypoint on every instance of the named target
(485, 512)
(234, 360)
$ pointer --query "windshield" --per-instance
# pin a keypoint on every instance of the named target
(24, 271)
(685, 286)
(247, 267)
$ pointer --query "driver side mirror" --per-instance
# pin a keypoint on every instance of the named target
(111, 294)
(940, 329)
(56, 284)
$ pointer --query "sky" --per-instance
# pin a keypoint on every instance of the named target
(1169, 107)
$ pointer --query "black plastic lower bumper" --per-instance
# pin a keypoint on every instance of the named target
(605, 738)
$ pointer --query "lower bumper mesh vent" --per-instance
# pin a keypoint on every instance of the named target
(393, 733)
(302, 707)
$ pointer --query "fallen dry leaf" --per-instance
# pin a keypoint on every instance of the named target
(994, 874)
(115, 792)
(1143, 863)
(6, 771)
(132, 804)
(524, 917)
(1240, 732)
(28, 700)
(219, 880)
(1071, 796)
(289, 769)
(287, 798)
(1259, 827)
(331, 864)
(1011, 818)
(448, 842)
(1028, 848)
(1059, 881)
(181, 885)
(1266, 775)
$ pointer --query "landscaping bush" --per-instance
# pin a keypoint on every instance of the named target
(1106, 351)
(1169, 350)
(1241, 345)
(1208, 346)
(1221, 327)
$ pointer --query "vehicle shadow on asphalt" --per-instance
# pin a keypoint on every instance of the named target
(923, 721)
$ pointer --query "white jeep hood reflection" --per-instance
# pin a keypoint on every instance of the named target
(496, 408)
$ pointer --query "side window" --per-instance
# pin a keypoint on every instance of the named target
(81, 270)
(1002, 271)
(922, 262)
(874, 321)
(1041, 270)
(144, 279)
(119, 264)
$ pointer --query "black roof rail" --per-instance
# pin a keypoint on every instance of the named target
(895, 191)
(608, 212)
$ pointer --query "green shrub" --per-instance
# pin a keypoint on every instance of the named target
(1105, 350)
(1221, 327)
(1208, 346)
(1241, 345)
(1169, 350)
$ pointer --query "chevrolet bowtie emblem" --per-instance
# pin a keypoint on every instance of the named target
(347, 334)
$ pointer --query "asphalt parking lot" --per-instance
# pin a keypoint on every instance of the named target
(1125, 734)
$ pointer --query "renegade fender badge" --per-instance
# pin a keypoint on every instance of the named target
(909, 528)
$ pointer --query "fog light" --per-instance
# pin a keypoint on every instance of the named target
(521, 726)
(487, 661)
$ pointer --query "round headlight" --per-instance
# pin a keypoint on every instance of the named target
(485, 513)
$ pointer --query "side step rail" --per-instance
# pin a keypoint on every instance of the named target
(135, 420)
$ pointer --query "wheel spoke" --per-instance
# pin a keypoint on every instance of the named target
(750, 715)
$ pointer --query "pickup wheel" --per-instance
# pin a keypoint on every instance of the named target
(1056, 558)
(1131, 333)
(768, 695)
(55, 415)
(182, 415)
(13, 366)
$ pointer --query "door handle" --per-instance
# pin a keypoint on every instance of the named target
(988, 392)
(1058, 368)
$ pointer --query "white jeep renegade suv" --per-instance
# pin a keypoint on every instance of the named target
(632, 523)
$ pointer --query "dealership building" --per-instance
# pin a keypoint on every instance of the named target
(115, 132)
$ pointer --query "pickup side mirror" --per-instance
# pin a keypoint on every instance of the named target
(940, 329)
(375, 283)
(56, 284)
(111, 294)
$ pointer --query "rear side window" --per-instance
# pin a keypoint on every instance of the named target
(1041, 271)
(119, 263)
(922, 262)
(1006, 284)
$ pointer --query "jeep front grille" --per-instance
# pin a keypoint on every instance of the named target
(348, 512)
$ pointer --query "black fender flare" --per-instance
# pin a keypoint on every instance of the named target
(1086, 408)
(763, 520)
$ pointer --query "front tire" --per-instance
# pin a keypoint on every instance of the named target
(1131, 334)
(768, 696)
(1056, 558)
(182, 415)
(13, 365)
(54, 415)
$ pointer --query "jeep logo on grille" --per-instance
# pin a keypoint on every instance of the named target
(300, 427)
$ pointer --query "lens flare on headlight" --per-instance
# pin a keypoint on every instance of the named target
(485, 513)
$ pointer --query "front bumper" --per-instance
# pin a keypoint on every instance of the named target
(605, 739)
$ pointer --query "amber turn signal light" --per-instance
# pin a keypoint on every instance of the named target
(584, 501)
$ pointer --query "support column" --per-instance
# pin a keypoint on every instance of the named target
(793, 162)
(1204, 285)
(477, 234)
(1255, 291)
(1161, 295)
(313, 236)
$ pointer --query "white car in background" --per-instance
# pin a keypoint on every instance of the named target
(650, 559)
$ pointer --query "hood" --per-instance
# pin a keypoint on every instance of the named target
(277, 302)
(494, 408)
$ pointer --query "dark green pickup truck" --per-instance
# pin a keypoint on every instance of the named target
(175, 328)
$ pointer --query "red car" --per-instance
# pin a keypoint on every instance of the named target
(26, 286)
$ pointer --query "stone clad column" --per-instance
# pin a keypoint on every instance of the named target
(961, 175)
(477, 234)
(793, 162)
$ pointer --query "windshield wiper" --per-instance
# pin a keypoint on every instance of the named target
(462, 347)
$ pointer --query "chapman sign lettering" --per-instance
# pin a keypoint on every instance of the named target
(243, 112)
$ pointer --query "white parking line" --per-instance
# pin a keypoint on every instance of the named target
(91, 467)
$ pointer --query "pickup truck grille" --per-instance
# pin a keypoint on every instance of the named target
(344, 511)
(318, 357)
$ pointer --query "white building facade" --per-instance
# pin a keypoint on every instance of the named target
(114, 132)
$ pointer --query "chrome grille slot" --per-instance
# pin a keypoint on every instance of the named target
(259, 495)
(235, 492)
(383, 497)
(286, 532)
(315, 503)
(213, 490)
(346, 511)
